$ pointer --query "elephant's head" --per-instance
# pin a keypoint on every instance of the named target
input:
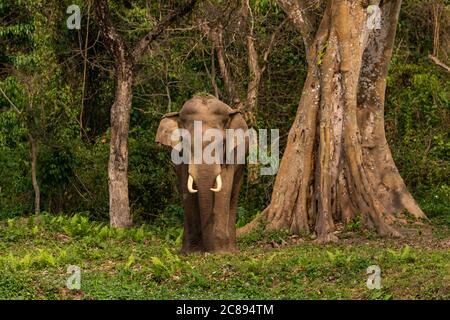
(210, 184)
(212, 114)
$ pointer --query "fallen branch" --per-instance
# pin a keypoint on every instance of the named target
(439, 62)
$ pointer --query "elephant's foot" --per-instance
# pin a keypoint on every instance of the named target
(224, 251)
(227, 249)
(192, 249)
(200, 249)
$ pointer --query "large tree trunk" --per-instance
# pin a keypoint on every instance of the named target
(119, 209)
(337, 165)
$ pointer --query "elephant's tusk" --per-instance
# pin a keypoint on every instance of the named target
(190, 183)
(219, 184)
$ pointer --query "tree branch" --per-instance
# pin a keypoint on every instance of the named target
(296, 11)
(216, 37)
(143, 44)
(271, 44)
(10, 102)
(113, 40)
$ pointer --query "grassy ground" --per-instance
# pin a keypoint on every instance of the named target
(143, 263)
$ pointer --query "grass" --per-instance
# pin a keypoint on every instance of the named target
(143, 263)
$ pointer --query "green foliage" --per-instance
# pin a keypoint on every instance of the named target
(417, 111)
(41, 258)
(277, 236)
(405, 254)
(436, 203)
(339, 258)
(143, 263)
(380, 295)
(354, 224)
(417, 121)
(166, 266)
(257, 234)
(321, 53)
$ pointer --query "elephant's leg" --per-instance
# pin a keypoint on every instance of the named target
(237, 182)
(192, 234)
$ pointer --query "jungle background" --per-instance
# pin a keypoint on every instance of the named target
(57, 90)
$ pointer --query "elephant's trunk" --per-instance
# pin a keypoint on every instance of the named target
(212, 205)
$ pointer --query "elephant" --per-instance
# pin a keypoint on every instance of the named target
(209, 191)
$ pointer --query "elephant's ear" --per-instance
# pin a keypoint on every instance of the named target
(237, 123)
(167, 125)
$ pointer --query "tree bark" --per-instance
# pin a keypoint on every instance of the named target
(296, 10)
(37, 191)
(119, 209)
(337, 165)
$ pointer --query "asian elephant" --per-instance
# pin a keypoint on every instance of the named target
(209, 191)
